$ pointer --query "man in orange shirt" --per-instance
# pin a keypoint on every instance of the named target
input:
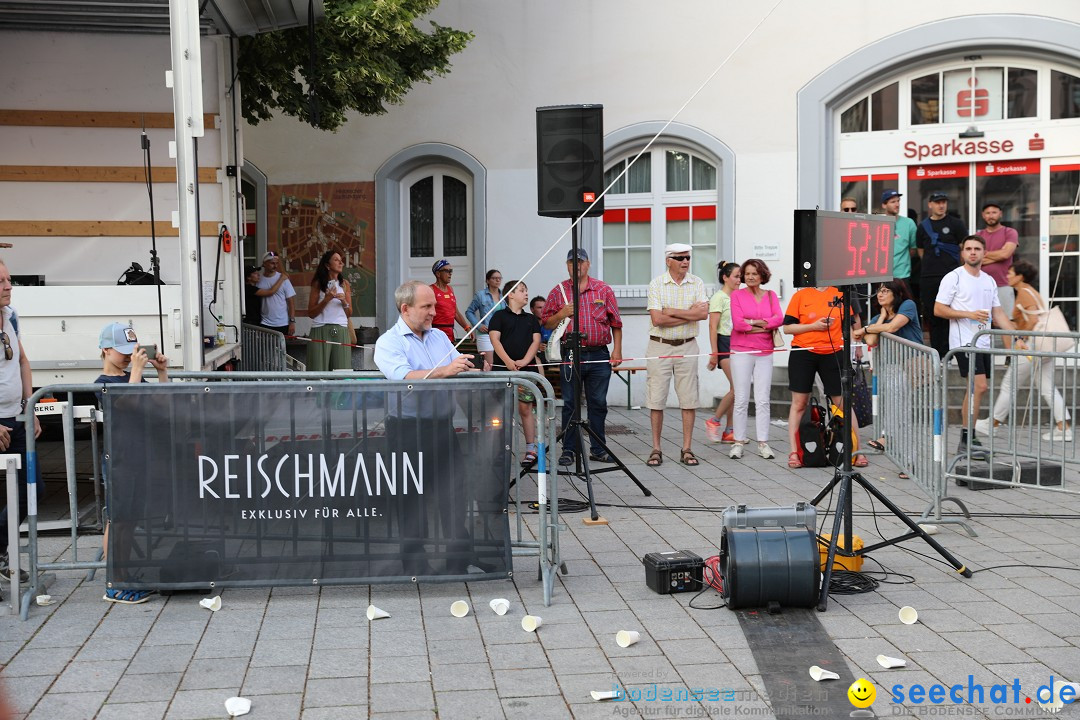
(813, 318)
(446, 309)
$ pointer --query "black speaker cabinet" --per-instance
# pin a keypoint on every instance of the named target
(569, 160)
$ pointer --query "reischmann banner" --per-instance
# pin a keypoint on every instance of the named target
(287, 483)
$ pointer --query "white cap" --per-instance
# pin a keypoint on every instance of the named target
(676, 249)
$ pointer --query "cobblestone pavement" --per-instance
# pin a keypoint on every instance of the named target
(312, 654)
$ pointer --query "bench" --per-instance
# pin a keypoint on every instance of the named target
(629, 370)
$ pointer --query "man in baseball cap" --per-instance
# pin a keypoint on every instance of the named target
(277, 293)
(903, 236)
(938, 239)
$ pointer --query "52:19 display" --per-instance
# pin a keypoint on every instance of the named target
(860, 237)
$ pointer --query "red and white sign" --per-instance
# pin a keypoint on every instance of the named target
(932, 172)
(1007, 167)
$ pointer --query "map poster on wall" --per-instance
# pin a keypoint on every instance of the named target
(307, 220)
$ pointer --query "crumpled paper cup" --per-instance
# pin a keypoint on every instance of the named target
(44, 600)
(212, 604)
(908, 615)
(374, 613)
(890, 662)
(599, 695)
(820, 673)
(459, 609)
(237, 706)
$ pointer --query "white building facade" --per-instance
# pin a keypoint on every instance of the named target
(773, 107)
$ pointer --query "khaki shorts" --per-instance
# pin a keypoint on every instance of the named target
(684, 370)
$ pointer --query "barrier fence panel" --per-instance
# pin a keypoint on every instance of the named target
(1033, 400)
(214, 481)
(908, 402)
(263, 349)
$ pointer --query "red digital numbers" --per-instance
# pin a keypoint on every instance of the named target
(860, 235)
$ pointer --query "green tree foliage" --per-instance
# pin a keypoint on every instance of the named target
(367, 53)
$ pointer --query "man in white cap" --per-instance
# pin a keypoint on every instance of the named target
(677, 302)
(277, 293)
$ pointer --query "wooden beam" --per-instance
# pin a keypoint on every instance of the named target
(96, 173)
(96, 228)
(80, 118)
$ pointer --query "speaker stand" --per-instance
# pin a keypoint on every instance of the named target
(844, 476)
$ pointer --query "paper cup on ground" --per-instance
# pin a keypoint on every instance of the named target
(929, 529)
(602, 694)
(374, 613)
(237, 706)
(819, 674)
(44, 600)
(459, 609)
(529, 623)
(890, 662)
(626, 638)
(908, 615)
(212, 604)
(500, 605)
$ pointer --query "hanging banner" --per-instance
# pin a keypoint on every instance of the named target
(287, 483)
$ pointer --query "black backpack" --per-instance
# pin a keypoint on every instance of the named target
(811, 437)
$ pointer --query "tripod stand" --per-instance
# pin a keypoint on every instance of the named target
(844, 476)
(577, 423)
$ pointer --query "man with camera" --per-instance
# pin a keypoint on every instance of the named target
(601, 324)
(277, 293)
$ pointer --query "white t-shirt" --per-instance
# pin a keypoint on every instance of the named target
(275, 311)
(11, 389)
(961, 290)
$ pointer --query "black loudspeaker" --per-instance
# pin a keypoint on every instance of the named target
(770, 565)
(569, 160)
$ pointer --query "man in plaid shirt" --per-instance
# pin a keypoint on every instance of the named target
(600, 325)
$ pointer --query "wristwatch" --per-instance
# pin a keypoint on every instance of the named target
(292, 320)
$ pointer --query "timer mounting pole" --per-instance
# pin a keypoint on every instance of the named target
(845, 476)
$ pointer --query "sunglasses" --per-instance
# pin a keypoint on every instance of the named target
(8, 354)
(679, 258)
(847, 209)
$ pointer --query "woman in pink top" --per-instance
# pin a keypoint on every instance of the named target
(755, 313)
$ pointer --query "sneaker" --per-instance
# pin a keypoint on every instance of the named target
(973, 444)
(566, 459)
(714, 429)
(765, 451)
(728, 437)
(5, 572)
(985, 427)
(1058, 435)
(736, 451)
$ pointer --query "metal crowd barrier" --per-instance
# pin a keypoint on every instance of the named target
(263, 349)
(909, 407)
(1030, 395)
(545, 545)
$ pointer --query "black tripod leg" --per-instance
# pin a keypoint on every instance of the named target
(583, 469)
(826, 490)
(838, 518)
(913, 526)
(592, 433)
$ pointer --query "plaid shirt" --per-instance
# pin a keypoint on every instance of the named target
(664, 292)
(599, 311)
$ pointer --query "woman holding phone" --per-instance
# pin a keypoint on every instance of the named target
(329, 307)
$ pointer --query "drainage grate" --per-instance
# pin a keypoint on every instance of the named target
(611, 429)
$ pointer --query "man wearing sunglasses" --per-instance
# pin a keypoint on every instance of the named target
(677, 302)
(15, 387)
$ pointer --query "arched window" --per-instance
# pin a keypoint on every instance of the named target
(668, 195)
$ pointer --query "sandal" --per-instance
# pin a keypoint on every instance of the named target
(859, 461)
(656, 458)
(687, 458)
(793, 461)
(126, 597)
(529, 458)
(903, 475)
(877, 445)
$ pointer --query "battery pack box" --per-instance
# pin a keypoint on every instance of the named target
(801, 514)
(1025, 472)
(673, 571)
(839, 561)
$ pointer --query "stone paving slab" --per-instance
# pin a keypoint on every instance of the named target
(310, 653)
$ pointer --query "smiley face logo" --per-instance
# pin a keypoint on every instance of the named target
(861, 693)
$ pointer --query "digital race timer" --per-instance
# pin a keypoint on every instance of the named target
(836, 248)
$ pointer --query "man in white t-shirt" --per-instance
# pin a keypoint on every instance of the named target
(277, 293)
(968, 298)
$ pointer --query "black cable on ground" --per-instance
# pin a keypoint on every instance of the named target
(712, 581)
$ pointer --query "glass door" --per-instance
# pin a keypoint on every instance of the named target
(1061, 277)
(1014, 187)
